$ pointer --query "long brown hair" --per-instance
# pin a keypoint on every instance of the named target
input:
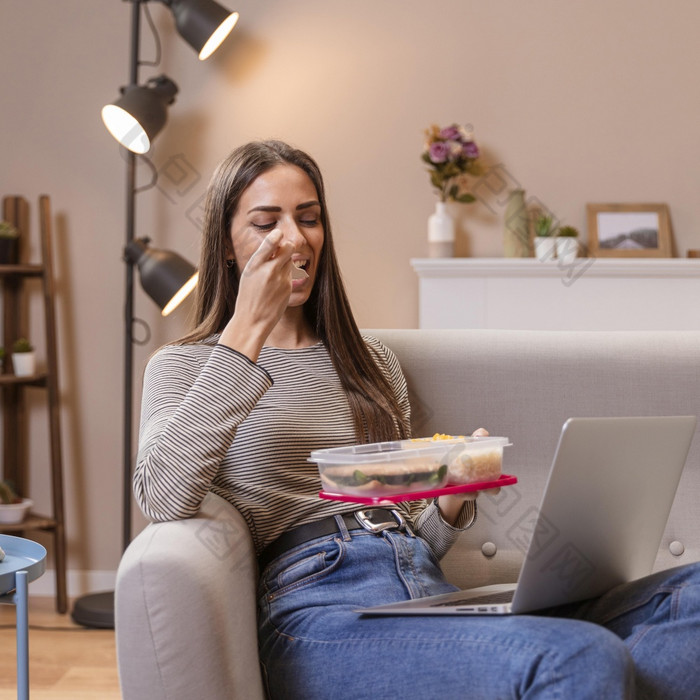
(376, 413)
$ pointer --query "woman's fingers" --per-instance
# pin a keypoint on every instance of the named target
(265, 284)
(473, 495)
(271, 247)
(264, 289)
(272, 239)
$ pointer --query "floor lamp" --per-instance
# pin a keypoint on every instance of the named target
(134, 120)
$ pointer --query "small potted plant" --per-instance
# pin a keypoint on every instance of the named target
(567, 244)
(13, 509)
(9, 244)
(545, 236)
(23, 358)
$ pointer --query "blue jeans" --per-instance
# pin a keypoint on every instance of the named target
(639, 640)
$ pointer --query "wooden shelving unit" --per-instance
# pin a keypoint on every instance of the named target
(14, 414)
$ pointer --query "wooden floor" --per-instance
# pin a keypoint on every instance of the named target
(66, 661)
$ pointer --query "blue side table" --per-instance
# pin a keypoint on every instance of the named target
(24, 562)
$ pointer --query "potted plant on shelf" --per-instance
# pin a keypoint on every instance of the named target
(567, 244)
(9, 244)
(23, 358)
(545, 241)
(13, 509)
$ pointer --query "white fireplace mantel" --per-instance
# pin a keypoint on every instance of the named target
(590, 294)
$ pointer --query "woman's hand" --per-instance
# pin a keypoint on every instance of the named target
(451, 505)
(263, 294)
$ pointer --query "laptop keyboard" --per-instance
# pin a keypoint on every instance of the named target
(504, 597)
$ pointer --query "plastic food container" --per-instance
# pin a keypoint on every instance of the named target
(408, 466)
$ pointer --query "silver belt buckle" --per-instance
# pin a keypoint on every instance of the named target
(363, 518)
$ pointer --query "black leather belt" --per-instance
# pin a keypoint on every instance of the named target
(373, 520)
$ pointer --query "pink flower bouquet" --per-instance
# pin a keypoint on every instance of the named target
(452, 156)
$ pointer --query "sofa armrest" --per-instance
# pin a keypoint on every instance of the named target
(185, 614)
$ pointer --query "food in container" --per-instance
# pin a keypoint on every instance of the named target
(479, 463)
(408, 466)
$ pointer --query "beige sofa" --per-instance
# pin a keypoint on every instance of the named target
(185, 608)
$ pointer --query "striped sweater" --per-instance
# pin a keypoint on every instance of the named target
(213, 420)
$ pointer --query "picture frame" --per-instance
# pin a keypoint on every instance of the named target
(629, 231)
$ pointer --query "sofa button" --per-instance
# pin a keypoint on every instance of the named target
(676, 548)
(488, 549)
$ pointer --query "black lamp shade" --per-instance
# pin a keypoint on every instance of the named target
(203, 24)
(165, 276)
(140, 113)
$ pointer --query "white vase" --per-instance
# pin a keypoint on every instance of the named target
(567, 249)
(441, 233)
(24, 363)
(545, 247)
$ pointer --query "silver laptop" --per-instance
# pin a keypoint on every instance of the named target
(600, 523)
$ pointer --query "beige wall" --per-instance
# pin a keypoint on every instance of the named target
(578, 101)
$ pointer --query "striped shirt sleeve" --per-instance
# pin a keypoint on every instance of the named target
(189, 417)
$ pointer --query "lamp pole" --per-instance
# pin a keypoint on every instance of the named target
(129, 292)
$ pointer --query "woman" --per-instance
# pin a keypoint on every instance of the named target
(276, 368)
